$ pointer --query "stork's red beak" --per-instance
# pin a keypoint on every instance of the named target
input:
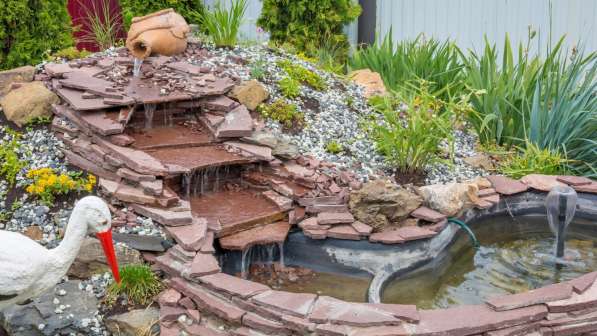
(106, 239)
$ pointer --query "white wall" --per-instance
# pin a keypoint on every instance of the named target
(466, 21)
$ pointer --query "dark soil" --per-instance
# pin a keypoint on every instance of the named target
(417, 179)
(118, 308)
(3, 332)
(311, 104)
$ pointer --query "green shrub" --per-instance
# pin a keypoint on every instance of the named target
(290, 88)
(10, 163)
(532, 160)
(298, 73)
(306, 24)
(411, 61)
(257, 69)
(411, 142)
(69, 53)
(191, 10)
(333, 147)
(137, 282)
(563, 114)
(283, 112)
(31, 29)
(222, 25)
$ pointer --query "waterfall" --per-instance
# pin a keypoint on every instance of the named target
(245, 263)
(137, 67)
(281, 251)
(149, 111)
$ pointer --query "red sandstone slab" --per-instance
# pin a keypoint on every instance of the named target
(332, 218)
(248, 150)
(574, 180)
(536, 296)
(327, 208)
(381, 331)
(208, 244)
(428, 214)
(298, 324)
(133, 176)
(584, 282)
(175, 136)
(386, 237)
(587, 188)
(362, 228)
(189, 236)
(198, 158)
(230, 212)
(585, 300)
(408, 313)
(57, 69)
(168, 264)
(283, 202)
(541, 182)
(237, 123)
(473, 319)
(575, 329)
(323, 200)
(316, 234)
(232, 285)
(345, 231)
(185, 67)
(169, 297)
(507, 186)
(164, 216)
(208, 302)
(296, 304)
(262, 235)
(331, 310)
(76, 100)
(89, 166)
(334, 330)
(218, 103)
(415, 233)
(519, 330)
(171, 313)
(486, 192)
(139, 161)
(202, 265)
(493, 199)
(200, 330)
(263, 325)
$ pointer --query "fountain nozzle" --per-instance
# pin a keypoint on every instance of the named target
(561, 206)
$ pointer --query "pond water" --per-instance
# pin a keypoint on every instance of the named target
(516, 255)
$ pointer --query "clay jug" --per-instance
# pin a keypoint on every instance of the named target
(163, 32)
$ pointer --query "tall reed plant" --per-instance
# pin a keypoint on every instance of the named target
(102, 24)
(410, 61)
(563, 115)
(223, 25)
(505, 89)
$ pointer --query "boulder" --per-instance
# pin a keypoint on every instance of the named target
(482, 161)
(17, 75)
(135, 322)
(43, 316)
(91, 259)
(251, 94)
(370, 80)
(451, 198)
(381, 204)
(29, 101)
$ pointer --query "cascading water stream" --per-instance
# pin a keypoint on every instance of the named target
(137, 67)
(149, 112)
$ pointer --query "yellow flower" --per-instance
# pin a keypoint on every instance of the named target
(30, 188)
(39, 190)
(52, 179)
(42, 183)
(70, 184)
(63, 179)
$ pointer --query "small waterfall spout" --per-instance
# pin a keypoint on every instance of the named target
(149, 112)
(561, 206)
(137, 67)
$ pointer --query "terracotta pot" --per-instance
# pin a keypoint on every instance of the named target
(163, 32)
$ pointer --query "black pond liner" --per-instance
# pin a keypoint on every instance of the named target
(386, 262)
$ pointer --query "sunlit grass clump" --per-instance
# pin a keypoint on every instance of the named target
(138, 283)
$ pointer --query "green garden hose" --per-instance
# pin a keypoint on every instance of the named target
(467, 229)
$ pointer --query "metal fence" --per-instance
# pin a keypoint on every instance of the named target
(468, 21)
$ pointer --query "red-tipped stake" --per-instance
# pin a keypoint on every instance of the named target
(106, 239)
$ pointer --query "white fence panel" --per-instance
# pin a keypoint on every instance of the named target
(467, 21)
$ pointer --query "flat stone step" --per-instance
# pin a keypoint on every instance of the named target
(262, 235)
(176, 136)
(198, 158)
(229, 212)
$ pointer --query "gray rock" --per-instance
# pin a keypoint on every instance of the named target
(286, 150)
(381, 204)
(142, 243)
(91, 258)
(26, 320)
(134, 322)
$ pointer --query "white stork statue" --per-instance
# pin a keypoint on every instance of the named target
(27, 269)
